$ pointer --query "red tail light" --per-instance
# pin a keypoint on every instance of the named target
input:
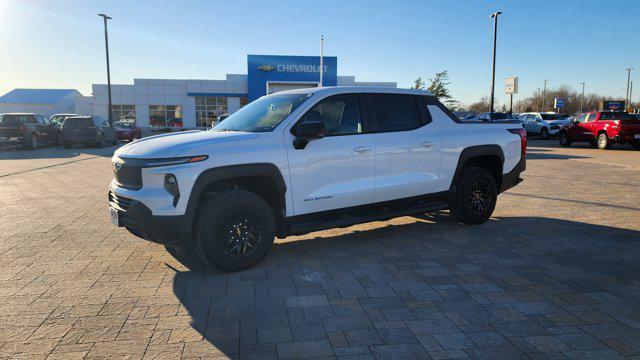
(523, 140)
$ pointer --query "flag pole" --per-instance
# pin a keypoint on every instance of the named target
(321, 58)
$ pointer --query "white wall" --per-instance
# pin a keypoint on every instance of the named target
(145, 92)
(45, 109)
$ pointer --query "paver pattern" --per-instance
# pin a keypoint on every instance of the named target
(554, 274)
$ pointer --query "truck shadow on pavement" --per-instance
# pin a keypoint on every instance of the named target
(401, 288)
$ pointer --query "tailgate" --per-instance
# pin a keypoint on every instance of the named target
(630, 126)
(10, 130)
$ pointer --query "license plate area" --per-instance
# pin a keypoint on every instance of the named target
(114, 216)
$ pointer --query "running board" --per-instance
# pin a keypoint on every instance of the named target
(304, 224)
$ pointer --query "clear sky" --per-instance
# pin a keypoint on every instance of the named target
(60, 44)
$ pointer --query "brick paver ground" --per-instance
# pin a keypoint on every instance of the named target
(554, 274)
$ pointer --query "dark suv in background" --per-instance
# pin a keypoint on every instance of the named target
(27, 129)
(88, 130)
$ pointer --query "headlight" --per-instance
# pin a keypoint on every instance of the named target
(173, 161)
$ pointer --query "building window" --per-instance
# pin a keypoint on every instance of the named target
(244, 101)
(165, 115)
(123, 112)
(208, 108)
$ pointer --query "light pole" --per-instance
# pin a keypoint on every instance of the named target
(538, 101)
(106, 45)
(493, 67)
(544, 95)
(628, 82)
(321, 58)
(582, 99)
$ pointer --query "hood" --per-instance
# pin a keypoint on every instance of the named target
(173, 144)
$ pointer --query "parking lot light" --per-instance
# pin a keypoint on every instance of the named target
(493, 66)
(106, 45)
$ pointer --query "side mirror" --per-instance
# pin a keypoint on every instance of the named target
(306, 131)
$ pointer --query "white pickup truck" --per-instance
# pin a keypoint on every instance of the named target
(305, 160)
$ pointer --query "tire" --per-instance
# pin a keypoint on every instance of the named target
(564, 139)
(544, 133)
(227, 224)
(603, 142)
(102, 142)
(33, 143)
(475, 196)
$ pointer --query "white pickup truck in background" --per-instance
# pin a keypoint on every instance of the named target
(310, 159)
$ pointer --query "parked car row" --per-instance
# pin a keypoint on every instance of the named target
(33, 130)
(602, 129)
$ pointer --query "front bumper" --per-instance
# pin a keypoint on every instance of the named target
(137, 218)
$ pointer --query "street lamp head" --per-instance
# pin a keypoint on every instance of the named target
(106, 17)
(495, 14)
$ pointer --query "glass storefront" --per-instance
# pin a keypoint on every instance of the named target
(208, 108)
(165, 115)
(123, 112)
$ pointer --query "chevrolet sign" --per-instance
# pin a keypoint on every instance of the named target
(266, 68)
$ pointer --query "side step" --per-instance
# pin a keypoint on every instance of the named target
(304, 226)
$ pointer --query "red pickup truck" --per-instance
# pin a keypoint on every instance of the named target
(601, 129)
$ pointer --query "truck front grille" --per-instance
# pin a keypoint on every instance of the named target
(119, 201)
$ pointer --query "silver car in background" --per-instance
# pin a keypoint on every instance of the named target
(543, 124)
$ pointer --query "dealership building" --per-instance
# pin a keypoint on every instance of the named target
(197, 103)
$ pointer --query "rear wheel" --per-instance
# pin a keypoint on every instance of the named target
(234, 230)
(475, 196)
(33, 142)
(603, 142)
(564, 139)
(544, 133)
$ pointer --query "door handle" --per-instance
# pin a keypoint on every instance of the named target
(361, 149)
(427, 144)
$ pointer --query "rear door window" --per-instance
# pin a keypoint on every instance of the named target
(395, 112)
(77, 123)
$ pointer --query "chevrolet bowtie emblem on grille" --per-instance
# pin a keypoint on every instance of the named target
(266, 68)
(117, 167)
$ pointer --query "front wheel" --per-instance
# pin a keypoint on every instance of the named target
(564, 139)
(603, 142)
(234, 230)
(544, 133)
(33, 142)
(475, 196)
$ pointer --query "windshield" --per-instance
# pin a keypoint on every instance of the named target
(77, 123)
(16, 119)
(551, 116)
(614, 116)
(262, 115)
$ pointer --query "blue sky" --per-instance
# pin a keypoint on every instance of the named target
(60, 44)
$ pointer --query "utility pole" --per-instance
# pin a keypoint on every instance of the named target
(106, 45)
(582, 99)
(628, 81)
(493, 66)
(538, 101)
(321, 58)
(544, 95)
